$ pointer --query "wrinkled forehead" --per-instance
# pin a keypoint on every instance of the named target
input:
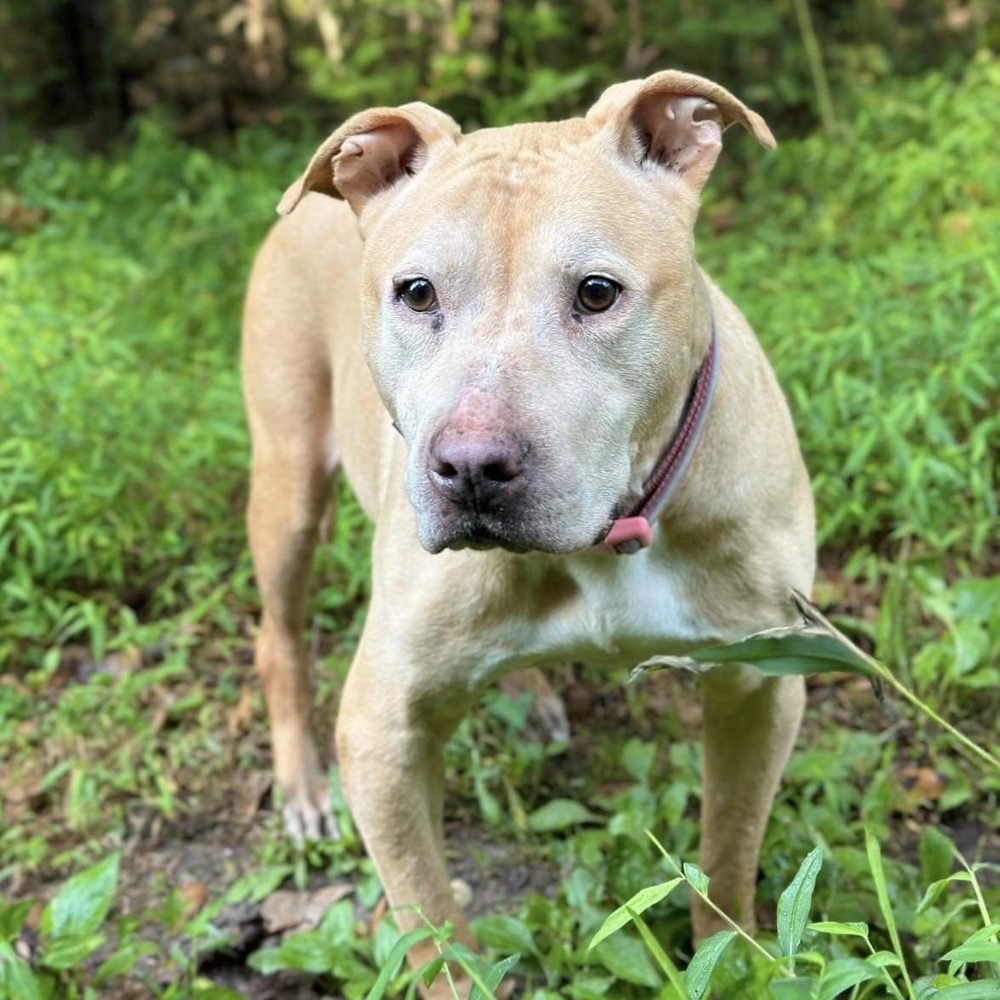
(546, 188)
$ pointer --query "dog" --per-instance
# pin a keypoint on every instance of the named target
(569, 440)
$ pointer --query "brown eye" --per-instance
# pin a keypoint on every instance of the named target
(597, 293)
(417, 293)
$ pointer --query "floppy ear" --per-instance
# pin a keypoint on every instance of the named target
(371, 152)
(675, 121)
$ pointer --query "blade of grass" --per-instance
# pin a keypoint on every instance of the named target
(810, 612)
(882, 893)
(395, 958)
(661, 958)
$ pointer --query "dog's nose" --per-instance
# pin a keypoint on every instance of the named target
(476, 471)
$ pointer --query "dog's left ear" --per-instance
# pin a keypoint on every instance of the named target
(675, 120)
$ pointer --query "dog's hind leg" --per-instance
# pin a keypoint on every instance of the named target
(288, 406)
(750, 727)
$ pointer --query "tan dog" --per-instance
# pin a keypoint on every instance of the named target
(539, 333)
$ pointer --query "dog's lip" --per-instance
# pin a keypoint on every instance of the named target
(481, 539)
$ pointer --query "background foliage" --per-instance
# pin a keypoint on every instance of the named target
(221, 64)
(865, 253)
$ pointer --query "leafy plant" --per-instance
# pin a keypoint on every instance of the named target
(829, 977)
(71, 934)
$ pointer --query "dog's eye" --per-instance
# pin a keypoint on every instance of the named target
(417, 293)
(597, 293)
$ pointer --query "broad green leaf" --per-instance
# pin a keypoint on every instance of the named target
(934, 890)
(885, 959)
(71, 950)
(484, 978)
(585, 987)
(822, 651)
(337, 925)
(395, 958)
(628, 960)
(812, 958)
(936, 855)
(83, 902)
(851, 928)
(427, 974)
(797, 650)
(799, 988)
(12, 918)
(16, 978)
(641, 901)
(257, 884)
(812, 647)
(696, 878)
(974, 951)
(638, 756)
(312, 952)
(844, 974)
(560, 814)
(987, 933)
(504, 934)
(795, 902)
(699, 972)
(123, 960)
(984, 990)
(493, 977)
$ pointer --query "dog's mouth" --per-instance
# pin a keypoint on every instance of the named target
(482, 538)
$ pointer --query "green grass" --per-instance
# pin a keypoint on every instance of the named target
(868, 264)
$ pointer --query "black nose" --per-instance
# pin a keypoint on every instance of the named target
(477, 472)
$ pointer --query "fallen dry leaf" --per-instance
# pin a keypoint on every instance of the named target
(194, 895)
(918, 786)
(288, 910)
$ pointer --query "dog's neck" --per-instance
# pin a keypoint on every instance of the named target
(634, 529)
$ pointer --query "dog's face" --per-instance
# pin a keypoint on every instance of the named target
(530, 305)
(526, 303)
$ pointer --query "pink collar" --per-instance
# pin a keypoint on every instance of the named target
(634, 530)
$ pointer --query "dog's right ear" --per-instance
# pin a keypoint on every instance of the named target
(371, 153)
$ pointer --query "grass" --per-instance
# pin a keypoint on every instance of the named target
(867, 262)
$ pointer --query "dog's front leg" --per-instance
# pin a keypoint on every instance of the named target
(390, 747)
(750, 728)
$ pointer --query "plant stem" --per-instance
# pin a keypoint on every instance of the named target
(814, 57)
(884, 674)
(725, 916)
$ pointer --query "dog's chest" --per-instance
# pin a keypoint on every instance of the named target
(631, 604)
(611, 610)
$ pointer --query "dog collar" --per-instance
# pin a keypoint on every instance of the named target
(634, 530)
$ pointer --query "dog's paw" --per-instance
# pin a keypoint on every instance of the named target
(309, 817)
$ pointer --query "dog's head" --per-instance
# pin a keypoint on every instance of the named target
(532, 311)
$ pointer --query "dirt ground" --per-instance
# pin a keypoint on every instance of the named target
(206, 852)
